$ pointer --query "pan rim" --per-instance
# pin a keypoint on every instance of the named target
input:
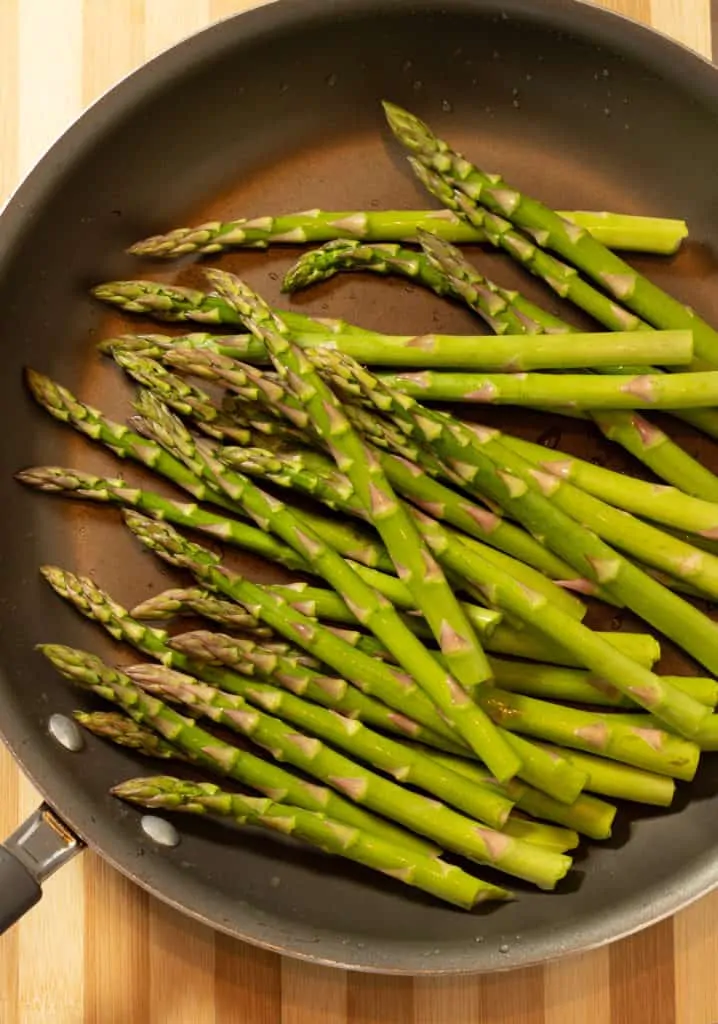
(629, 917)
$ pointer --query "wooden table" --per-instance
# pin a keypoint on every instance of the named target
(100, 951)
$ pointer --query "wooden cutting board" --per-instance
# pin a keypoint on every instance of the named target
(98, 950)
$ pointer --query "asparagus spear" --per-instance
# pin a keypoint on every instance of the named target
(508, 479)
(666, 505)
(94, 603)
(184, 398)
(588, 815)
(248, 658)
(266, 726)
(342, 496)
(646, 391)
(404, 474)
(445, 881)
(178, 305)
(579, 687)
(504, 353)
(462, 276)
(124, 443)
(126, 732)
(75, 484)
(641, 745)
(368, 607)
(642, 541)
(657, 451)
(620, 781)
(619, 231)
(570, 241)
(91, 674)
(367, 673)
(426, 816)
(423, 576)
(641, 648)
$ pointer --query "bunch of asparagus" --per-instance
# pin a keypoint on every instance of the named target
(425, 667)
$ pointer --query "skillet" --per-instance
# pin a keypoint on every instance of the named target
(278, 109)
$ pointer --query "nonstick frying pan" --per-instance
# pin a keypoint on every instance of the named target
(278, 109)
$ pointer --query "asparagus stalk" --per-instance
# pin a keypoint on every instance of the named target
(125, 443)
(126, 732)
(266, 726)
(662, 504)
(560, 840)
(614, 424)
(179, 305)
(620, 781)
(657, 451)
(73, 483)
(641, 745)
(123, 731)
(570, 241)
(341, 495)
(640, 540)
(91, 674)
(588, 815)
(250, 659)
(577, 686)
(404, 474)
(100, 607)
(523, 491)
(184, 398)
(619, 231)
(368, 607)
(641, 648)
(504, 353)
(445, 881)
(426, 816)
(645, 391)
(366, 672)
(423, 576)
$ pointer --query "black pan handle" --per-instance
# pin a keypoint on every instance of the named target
(33, 852)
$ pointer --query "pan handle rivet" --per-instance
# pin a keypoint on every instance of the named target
(64, 731)
(160, 831)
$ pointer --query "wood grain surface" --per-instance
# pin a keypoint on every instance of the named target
(97, 950)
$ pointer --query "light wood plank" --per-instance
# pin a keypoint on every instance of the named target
(248, 984)
(688, 21)
(313, 995)
(696, 957)
(51, 970)
(577, 989)
(164, 27)
(116, 947)
(180, 948)
(113, 43)
(642, 984)
(379, 999)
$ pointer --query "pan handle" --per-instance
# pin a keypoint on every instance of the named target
(33, 852)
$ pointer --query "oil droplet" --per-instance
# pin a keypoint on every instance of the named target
(607, 111)
(503, 948)
(517, 104)
(283, 87)
(418, 85)
(65, 732)
(275, 882)
(160, 831)
(479, 938)
(332, 80)
(446, 106)
(407, 65)
(606, 73)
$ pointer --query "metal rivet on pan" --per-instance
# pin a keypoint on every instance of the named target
(160, 831)
(65, 732)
